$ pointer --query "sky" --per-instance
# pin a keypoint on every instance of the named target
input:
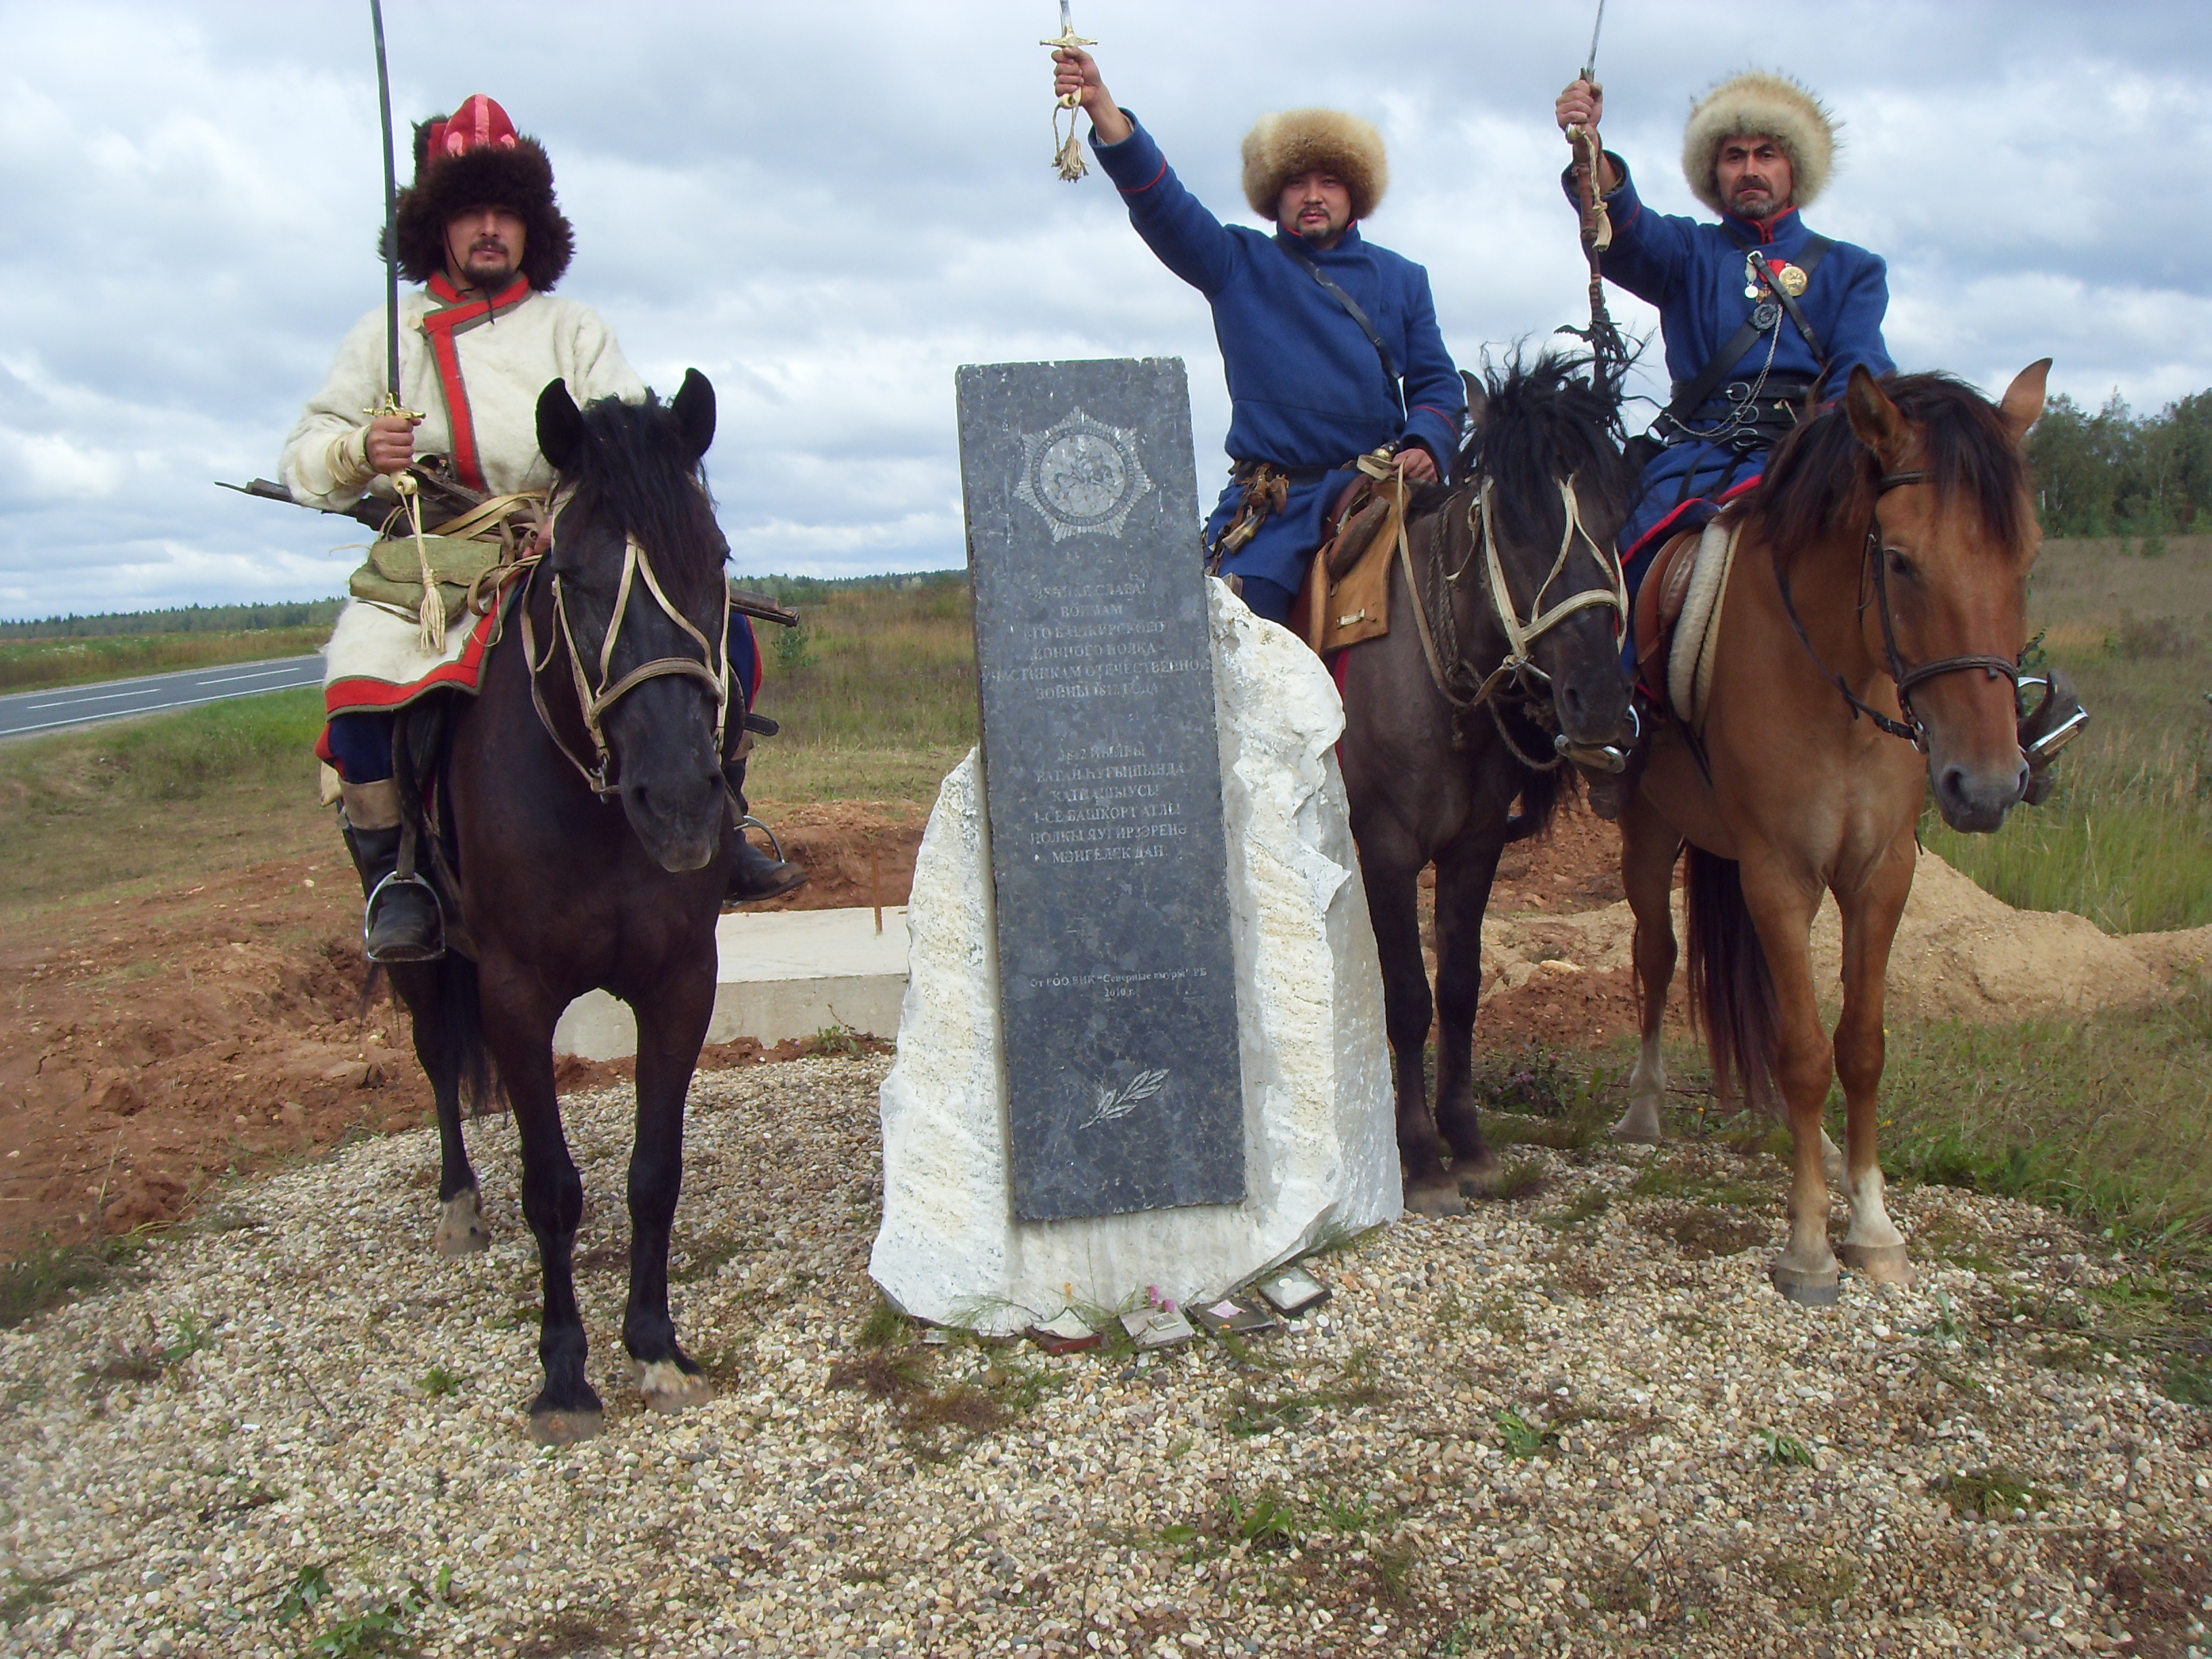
(829, 208)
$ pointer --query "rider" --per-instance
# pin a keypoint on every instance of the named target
(481, 228)
(1318, 326)
(1757, 148)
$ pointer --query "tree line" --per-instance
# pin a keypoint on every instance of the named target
(2114, 472)
(180, 619)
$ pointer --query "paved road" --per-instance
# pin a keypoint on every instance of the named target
(84, 705)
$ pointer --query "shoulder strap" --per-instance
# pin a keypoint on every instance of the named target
(1693, 395)
(1351, 308)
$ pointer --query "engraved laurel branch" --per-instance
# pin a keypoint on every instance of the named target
(1113, 1105)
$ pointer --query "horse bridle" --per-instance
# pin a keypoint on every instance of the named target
(594, 701)
(1518, 669)
(1912, 729)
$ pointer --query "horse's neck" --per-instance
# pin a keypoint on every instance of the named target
(1825, 583)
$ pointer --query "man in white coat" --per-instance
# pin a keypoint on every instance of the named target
(481, 229)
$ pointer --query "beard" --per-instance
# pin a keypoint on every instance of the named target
(488, 265)
(1751, 199)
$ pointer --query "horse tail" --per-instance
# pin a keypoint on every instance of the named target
(1542, 793)
(1731, 986)
(444, 999)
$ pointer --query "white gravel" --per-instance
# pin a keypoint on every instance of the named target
(354, 1403)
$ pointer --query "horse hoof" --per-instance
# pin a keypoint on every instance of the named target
(1435, 1198)
(461, 1230)
(1821, 1288)
(667, 1387)
(1479, 1178)
(552, 1428)
(1884, 1264)
(1639, 1126)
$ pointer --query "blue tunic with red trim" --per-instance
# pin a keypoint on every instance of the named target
(1694, 271)
(1306, 388)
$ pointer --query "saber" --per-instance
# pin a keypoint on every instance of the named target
(1589, 59)
(392, 405)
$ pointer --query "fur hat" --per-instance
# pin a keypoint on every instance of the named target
(1281, 148)
(475, 158)
(1772, 107)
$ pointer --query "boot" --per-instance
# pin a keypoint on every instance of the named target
(402, 922)
(754, 875)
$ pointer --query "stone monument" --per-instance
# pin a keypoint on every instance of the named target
(1142, 1046)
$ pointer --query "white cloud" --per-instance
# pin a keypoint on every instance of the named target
(827, 209)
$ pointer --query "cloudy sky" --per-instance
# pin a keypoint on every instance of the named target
(829, 207)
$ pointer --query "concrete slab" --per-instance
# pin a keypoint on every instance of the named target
(782, 973)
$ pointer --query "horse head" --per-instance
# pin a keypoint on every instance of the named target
(1951, 534)
(642, 607)
(1553, 489)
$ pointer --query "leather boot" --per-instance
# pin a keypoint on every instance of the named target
(754, 875)
(402, 922)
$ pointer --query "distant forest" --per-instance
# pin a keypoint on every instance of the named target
(2114, 472)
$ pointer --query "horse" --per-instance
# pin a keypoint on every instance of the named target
(1502, 669)
(1870, 629)
(585, 803)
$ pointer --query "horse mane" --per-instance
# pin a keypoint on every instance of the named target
(630, 475)
(1821, 475)
(1546, 419)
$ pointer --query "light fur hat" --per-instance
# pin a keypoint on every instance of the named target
(1281, 147)
(1771, 106)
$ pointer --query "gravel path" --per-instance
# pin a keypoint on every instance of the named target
(1690, 1465)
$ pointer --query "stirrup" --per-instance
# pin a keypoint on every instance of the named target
(368, 914)
(749, 822)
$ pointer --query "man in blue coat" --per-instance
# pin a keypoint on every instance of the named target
(1763, 319)
(1330, 343)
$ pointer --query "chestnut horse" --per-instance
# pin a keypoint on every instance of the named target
(1873, 616)
(586, 805)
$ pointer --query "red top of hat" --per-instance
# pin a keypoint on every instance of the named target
(478, 123)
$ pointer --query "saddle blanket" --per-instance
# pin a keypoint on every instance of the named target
(375, 662)
(1678, 617)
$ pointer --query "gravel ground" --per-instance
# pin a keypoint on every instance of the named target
(1576, 1422)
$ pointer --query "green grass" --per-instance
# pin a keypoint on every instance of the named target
(2126, 840)
(37, 664)
(52, 1273)
(168, 797)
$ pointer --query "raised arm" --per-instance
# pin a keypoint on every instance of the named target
(1175, 224)
(1649, 250)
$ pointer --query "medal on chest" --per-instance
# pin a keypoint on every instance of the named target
(1791, 279)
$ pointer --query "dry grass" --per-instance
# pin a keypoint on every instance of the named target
(38, 664)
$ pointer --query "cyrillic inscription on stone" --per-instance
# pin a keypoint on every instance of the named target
(1103, 778)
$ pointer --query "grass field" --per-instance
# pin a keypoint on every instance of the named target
(2127, 840)
(38, 664)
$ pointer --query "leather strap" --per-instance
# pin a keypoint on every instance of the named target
(1366, 325)
(1717, 368)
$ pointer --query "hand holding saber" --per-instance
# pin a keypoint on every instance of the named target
(1067, 154)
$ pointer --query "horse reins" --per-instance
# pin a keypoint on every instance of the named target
(1518, 668)
(1912, 728)
(593, 702)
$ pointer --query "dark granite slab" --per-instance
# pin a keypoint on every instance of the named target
(1104, 778)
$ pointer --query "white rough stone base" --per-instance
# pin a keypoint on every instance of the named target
(1321, 1149)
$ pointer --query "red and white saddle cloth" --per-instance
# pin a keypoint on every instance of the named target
(375, 661)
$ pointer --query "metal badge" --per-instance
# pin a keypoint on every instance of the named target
(1764, 315)
(1793, 279)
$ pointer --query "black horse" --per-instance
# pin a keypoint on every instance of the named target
(1508, 673)
(586, 810)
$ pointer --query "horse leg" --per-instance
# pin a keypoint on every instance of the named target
(1782, 910)
(671, 1026)
(1649, 847)
(1465, 871)
(1873, 1246)
(439, 1045)
(1393, 906)
(519, 1026)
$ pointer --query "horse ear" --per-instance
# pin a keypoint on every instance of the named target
(1478, 399)
(560, 426)
(2023, 399)
(694, 405)
(1880, 425)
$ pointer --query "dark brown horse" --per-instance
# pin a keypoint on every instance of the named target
(1870, 629)
(1474, 702)
(590, 822)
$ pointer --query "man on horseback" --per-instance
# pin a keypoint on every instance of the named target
(481, 230)
(1329, 342)
(1763, 318)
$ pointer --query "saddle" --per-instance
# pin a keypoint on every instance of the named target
(1346, 597)
(1677, 618)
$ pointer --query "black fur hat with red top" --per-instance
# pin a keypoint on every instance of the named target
(474, 158)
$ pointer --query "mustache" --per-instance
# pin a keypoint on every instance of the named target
(487, 245)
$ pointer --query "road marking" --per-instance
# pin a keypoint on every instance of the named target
(263, 673)
(186, 702)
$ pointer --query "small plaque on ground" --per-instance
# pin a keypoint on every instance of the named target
(1102, 781)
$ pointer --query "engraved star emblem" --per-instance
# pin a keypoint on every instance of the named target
(1082, 476)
